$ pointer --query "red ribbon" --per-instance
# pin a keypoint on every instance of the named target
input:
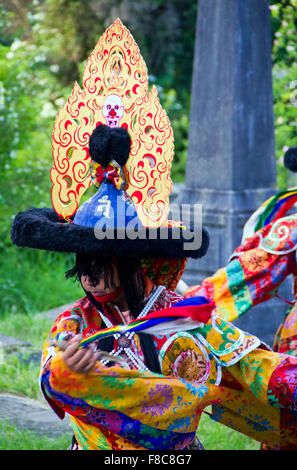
(110, 173)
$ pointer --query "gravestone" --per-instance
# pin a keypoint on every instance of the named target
(231, 165)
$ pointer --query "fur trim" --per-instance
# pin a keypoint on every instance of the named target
(44, 229)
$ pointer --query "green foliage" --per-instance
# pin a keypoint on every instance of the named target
(164, 33)
(284, 57)
(30, 97)
(16, 374)
(285, 110)
(34, 281)
(283, 25)
(19, 377)
(5, 23)
(179, 120)
(30, 100)
(31, 328)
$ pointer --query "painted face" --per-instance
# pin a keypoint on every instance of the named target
(113, 110)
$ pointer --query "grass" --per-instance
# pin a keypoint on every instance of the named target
(20, 378)
(12, 438)
(16, 376)
(31, 328)
(34, 280)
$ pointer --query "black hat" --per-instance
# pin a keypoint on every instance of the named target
(108, 222)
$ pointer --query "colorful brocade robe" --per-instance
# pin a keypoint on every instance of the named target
(216, 364)
(253, 274)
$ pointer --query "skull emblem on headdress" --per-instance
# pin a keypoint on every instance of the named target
(113, 110)
(116, 92)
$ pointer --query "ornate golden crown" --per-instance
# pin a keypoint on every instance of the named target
(115, 92)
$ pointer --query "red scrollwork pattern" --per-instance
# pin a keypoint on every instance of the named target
(115, 92)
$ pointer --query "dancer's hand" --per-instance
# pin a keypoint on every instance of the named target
(80, 360)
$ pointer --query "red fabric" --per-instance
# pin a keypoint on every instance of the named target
(283, 383)
(199, 313)
(109, 173)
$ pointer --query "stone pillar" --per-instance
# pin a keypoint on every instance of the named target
(231, 167)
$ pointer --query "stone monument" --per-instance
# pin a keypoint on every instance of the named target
(231, 165)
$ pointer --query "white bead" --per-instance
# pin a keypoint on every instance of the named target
(135, 359)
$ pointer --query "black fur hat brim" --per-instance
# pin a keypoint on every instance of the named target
(44, 229)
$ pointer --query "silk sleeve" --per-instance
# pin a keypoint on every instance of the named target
(251, 277)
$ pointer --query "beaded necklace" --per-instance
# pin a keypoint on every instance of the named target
(126, 342)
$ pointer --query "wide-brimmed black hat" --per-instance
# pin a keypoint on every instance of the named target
(107, 223)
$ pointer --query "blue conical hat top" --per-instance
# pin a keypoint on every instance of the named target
(109, 208)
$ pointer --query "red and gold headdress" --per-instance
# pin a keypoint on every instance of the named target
(115, 92)
(120, 122)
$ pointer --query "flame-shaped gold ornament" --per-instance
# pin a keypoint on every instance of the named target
(115, 92)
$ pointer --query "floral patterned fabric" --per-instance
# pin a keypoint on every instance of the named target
(253, 274)
(251, 277)
(83, 318)
(164, 271)
(120, 408)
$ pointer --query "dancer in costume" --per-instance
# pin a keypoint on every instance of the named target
(285, 340)
(255, 271)
(166, 358)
